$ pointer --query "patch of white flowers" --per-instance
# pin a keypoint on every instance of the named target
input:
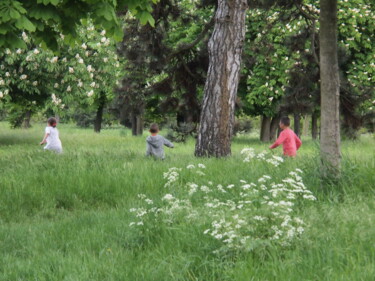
(241, 215)
(250, 155)
(171, 176)
(55, 99)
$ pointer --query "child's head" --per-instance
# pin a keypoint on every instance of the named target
(154, 128)
(52, 122)
(284, 122)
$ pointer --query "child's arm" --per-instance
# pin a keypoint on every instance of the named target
(44, 139)
(168, 143)
(279, 141)
(47, 132)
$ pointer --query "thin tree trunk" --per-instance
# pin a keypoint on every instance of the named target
(306, 125)
(27, 119)
(225, 50)
(330, 90)
(99, 114)
(134, 123)
(314, 125)
(139, 121)
(297, 124)
(273, 127)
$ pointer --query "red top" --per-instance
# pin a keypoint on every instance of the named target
(290, 142)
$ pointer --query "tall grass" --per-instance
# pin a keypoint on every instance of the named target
(66, 217)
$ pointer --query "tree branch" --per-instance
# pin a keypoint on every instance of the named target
(304, 13)
(313, 51)
(184, 47)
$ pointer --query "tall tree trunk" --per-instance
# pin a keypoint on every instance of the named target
(273, 127)
(99, 113)
(297, 124)
(225, 50)
(330, 90)
(265, 129)
(314, 125)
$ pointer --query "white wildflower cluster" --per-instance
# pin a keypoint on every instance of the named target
(241, 216)
(171, 176)
(197, 169)
(149, 213)
(250, 155)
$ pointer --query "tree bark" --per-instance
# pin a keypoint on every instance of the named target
(306, 125)
(99, 114)
(330, 90)
(139, 119)
(314, 125)
(273, 127)
(133, 118)
(265, 129)
(225, 50)
(297, 124)
(27, 119)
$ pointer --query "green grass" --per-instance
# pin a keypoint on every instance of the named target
(66, 217)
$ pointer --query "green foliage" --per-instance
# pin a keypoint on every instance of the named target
(166, 65)
(279, 57)
(36, 79)
(57, 16)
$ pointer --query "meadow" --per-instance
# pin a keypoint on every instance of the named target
(66, 217)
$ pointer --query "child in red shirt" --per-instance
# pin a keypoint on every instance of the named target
(290, 141)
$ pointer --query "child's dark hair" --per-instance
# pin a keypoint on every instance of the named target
(154, 128)
(52, 122)
(285, 120)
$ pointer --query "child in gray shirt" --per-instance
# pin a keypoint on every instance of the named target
(155, 143)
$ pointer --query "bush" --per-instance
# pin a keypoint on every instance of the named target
(181, 132)
(242, 125)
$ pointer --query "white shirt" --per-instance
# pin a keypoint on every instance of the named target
(53, 140)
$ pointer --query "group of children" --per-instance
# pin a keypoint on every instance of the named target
(155, 143)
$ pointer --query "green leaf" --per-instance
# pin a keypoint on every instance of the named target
(24, 23)
(45, 13)
(151, 21)
(5, 28)
(14, 41)
(54, 2)
(118, 34)
(105, 11)
(13, 13)
(144, 17)
(18, 6)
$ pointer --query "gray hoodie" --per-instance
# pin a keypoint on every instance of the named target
(155, 146)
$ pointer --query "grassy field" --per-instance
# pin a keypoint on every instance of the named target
(66, 217)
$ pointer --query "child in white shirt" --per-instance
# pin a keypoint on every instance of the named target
(51, 137)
